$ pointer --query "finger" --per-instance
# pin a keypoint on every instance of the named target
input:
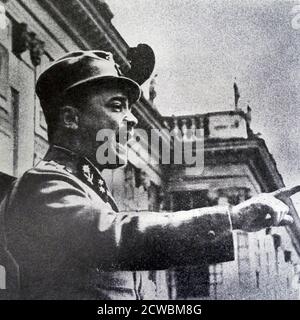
(275, 218)
(286, 221)
(284, 212)
(286, 191)
(281, 210)
(278, 209)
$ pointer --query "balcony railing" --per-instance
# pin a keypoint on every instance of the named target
(218, 125)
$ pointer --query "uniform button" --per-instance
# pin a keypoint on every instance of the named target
(211, 234)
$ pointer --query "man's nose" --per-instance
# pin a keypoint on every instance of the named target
(131, 119)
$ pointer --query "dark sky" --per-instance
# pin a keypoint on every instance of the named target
(202, 45)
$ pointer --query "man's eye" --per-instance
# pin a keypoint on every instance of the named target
(117, 107)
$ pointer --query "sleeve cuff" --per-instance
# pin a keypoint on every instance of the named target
(219, 245)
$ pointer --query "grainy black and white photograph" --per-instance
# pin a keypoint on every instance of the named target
(149, 150)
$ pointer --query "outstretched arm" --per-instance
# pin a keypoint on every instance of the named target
(59, 212)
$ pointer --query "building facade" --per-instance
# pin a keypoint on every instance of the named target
(237, 164)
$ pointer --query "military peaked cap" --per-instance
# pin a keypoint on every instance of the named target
(81, 67)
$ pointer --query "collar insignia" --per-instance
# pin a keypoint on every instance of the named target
(87, 173)
(91, 175)
(86, 170)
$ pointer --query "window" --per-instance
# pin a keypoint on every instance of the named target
(257, 262)
(15, 104)
(3, 72)
(257, 256)
(171, 284)
(216, 274)
(216, 277)
(40, 123)
(268, 262)
(257, 278)
(287, 256)
(152, 276)
(243, 255)
(2, 278)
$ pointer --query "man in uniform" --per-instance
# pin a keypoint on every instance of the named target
(62, 224)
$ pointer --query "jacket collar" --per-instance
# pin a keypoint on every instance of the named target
(83, 169)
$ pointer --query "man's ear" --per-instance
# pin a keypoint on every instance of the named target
(69, 117)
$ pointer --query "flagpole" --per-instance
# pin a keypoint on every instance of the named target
(236, 95)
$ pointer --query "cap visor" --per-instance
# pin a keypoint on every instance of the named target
(131, 87)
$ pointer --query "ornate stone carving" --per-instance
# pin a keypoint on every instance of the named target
(24, 40)
(37, 49)
(152, 89)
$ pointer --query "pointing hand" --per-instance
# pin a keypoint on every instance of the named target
(264, 210)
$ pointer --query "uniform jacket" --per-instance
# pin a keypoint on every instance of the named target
(64, 230)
